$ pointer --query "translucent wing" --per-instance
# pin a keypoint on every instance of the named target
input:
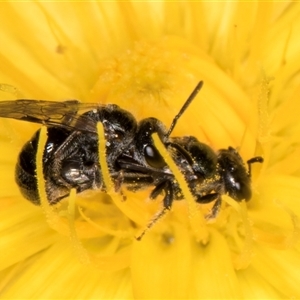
(50, 113)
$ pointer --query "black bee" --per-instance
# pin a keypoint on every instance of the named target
(71, 161)
(71, 154)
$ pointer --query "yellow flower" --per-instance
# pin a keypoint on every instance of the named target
(147, 57)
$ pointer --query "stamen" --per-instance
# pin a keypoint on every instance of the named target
(102, 158)
(79, 249)
(197, 220)
(47, 208)
(116, 233)
(51, 216)
(55, 219)
(280, 240)
(242, 260)
(107, 181)
(293, 238)
(264, 120)
(114, 261)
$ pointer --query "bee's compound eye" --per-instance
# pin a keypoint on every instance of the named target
(153, 157)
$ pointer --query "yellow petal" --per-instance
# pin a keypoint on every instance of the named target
(58, 267)
(212, 273)
(278, 263)
(161, 264)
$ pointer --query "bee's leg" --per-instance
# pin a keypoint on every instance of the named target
(215, 209)
(168, 199)
(209, 198)
(157, 190)
(118, 181)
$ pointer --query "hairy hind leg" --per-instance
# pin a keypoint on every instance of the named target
(167, 201)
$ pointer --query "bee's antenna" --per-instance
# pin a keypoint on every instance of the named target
(184, 107)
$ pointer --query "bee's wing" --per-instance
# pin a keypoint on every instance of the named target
(66, 114)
